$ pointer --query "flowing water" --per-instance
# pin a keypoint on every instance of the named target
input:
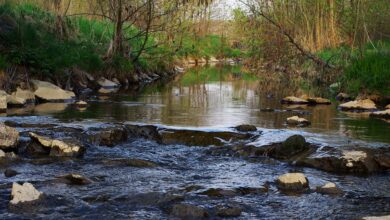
(206, 98)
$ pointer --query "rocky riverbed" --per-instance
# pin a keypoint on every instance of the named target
(157, 172)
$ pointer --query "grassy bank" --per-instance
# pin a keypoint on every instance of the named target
(365, 70)
(29, 39)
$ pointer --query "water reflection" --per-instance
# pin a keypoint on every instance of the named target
(225, 96)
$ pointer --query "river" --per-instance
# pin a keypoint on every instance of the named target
(207, 99)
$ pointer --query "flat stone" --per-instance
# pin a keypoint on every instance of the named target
(329, 188)
(9, 137)
(24, 193)
(385, 217)
(246, 128)
(57, 147)
(293, 182)
(297, 121)
(51, 93)
(294, 100)
(381, 114)
(360, 105)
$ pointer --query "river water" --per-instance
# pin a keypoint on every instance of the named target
(204, 98)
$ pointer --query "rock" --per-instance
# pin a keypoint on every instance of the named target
(75, 179)
(386, 217)
(107, 84)
(217, 192)
(359, 105)
(24, 193)
(2, 154)
(387, 106)
(228, 211)
(109, 136)
(246, 128)
(291, 147)
(319, 101)
(329, 188)
(3, 101)
(189, 211)
(381, 114)
(294, 100)
(293, 182)
(9, 137)
(54, 147)
(51, 93)
(200, 138)
(10, 173)
(297, 121)
(343, 97)
(108, 90)
(132, 162)
(24, 94)
(15, 101)
(80, 104)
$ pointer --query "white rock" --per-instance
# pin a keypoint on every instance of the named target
(24, 94)
(295, 120)
(364, 105)
(352, 157)
(386, 217)
(58, 148)
(292, 181)
(294, 100)
(2, 154)
(24, 193)
(50, 92)
(9, 137)
(107, 84)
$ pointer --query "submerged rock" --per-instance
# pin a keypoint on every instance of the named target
(358, 105)
(132, 162)
(51, 93)
(329, 188)
(292, 182)
(200, 138)
(9, 137)
(109, 136)
(297, 121)
(381, 114)
(217, 192)
(228, 211)
(294, 100)
(54, 147)
(385, 217)
(75, 179)
(246, 128)
(10, 173)
(188, 211)
(24, 193)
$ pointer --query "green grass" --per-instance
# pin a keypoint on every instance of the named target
(366, 70)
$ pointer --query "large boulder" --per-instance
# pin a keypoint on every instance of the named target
(54, 147)
(294, 100)
(187, 211)
(9, 137)
(51, 93)
(381, 114)
(24, 193)
(290, 148)
(297, 121)
(292, 182)
(27, 95)
(358, 105)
